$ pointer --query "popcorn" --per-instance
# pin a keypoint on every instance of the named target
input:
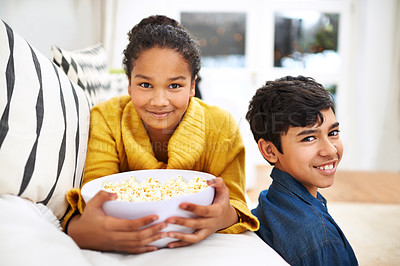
(152, 190)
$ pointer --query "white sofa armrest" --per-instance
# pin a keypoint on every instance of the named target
(30, 235)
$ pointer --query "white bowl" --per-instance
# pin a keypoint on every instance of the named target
(164, 209)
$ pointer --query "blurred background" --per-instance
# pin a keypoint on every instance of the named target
(352, 47)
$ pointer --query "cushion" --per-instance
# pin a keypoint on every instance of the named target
(30, 236)
(218, 249)
(44, 123)
(88, 68)
(118, 84)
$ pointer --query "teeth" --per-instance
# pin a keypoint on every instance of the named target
(326, 167)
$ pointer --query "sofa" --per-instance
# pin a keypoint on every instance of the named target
(44, 119)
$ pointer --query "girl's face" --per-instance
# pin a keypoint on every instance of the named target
(160, 86)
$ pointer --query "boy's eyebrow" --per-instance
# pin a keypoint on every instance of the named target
(334, 125)
(312, 131)
(307, 132)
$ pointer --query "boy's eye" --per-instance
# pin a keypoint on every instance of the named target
(334, 133)
(174, 86)
(308, 139)
(145, 85)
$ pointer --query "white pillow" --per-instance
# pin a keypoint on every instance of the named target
(88, 68)
(44, 120)
(30, 236)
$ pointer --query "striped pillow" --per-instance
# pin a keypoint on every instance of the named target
(44, 121)
(86, 67)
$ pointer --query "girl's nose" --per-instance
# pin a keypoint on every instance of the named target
(160, 98)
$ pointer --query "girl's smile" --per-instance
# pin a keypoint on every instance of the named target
(160, 114)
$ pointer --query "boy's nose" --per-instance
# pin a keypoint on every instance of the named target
(160, 98)
(327, 148)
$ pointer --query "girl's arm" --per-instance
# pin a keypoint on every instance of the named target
(91, 228)
(94, 230)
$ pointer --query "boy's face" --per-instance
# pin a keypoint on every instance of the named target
(312, 154)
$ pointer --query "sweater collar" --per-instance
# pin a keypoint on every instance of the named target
(184, 148)
(187, 143)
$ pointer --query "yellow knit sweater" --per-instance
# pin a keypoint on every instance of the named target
(207, 139)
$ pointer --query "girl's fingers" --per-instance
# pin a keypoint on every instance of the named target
(101, 197)
(187, 239)
(197, 223)
(131, 225)
(202, 211)
(136, 239)
(221, 190)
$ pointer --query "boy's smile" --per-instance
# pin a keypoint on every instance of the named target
(311, 154)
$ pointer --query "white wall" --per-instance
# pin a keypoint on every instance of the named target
(66, 23)
(371, 113)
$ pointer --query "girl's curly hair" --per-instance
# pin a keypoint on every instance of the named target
(163, 32)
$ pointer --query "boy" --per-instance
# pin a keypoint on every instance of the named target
(293, 121)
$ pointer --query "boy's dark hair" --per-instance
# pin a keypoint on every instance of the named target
(163, 32)
(288, 101)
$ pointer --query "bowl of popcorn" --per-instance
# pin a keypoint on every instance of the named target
(146, 192)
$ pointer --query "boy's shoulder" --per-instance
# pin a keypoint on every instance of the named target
(281, 204)
(294, 227)
(289, 223)
(284, 201)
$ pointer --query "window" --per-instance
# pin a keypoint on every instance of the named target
(221, 37)
(307, 39)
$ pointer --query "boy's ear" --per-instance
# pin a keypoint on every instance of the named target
(268, 150)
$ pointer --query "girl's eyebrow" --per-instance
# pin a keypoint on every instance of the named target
(176, 78)
(142, 76)
(312, 131)
(170, 79)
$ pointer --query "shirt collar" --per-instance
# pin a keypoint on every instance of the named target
(294, 186)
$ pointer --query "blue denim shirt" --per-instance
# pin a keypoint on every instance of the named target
(298, 226)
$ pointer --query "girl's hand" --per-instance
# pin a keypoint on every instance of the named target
(95, 230)
(212, 218)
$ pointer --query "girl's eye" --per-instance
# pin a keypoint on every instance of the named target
(308, 139)
(145, 85)
(174, 86)
(334, 133)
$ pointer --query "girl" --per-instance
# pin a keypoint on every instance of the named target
(160, 125)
